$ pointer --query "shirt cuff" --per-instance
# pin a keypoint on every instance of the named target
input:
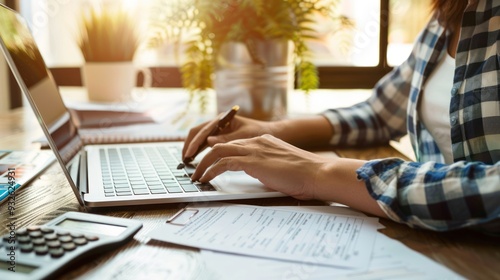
(380, 177)
(335, 121)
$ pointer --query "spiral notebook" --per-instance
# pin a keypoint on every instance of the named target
(96, 125)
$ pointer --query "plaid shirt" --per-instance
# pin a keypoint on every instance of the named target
(428, 193)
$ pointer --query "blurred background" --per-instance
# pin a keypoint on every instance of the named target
(380, 38)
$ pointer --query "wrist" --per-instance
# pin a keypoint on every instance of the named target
(337, 180)
(281, 129)
(311, 132)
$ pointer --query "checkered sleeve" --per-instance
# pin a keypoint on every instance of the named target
(435, 196)
(379, 119)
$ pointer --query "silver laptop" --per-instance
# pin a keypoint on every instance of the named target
(108, 175)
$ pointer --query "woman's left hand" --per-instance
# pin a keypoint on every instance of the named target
(277, 164)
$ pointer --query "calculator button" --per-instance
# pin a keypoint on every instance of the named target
(47, 230)
(41, 250)
(54, 244)
(36, 234)
(62, 233)
(33, 228)
(76, 235)
(38, 241)
(22, 232)
(26, 248)
(24, 239)
(68, 246)
(91, 237)
(56, 253)
(50, 236)
(80, 241)
(65, 239)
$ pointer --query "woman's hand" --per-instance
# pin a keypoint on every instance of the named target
(239, 128)
(290, 170)
(277, 164)
(314, 131)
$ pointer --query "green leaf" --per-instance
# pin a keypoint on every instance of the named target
(107, 35)
(245, 21)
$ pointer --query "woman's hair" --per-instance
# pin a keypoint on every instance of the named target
(449, 12)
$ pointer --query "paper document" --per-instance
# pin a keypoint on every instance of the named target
(293, 235)
(390, 259)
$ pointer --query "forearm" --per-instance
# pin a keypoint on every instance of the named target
(337, 182)
(311, 132)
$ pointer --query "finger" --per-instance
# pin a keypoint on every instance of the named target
(198, 138)
(234, 163)
(192, 133)
(229, 133)
(217, 153)
(222, 138)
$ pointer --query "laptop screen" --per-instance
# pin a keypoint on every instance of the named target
(36, 82)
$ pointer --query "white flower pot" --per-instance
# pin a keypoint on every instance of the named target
(112, 81)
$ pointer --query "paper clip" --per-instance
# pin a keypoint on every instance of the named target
(172, 221)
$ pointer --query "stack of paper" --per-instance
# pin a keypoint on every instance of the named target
(317, 242)
(310, 237)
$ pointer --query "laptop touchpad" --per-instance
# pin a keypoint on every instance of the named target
(238, 182)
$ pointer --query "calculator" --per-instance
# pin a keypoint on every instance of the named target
(40, 252)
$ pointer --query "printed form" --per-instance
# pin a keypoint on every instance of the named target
(390, 260)
(293, 235)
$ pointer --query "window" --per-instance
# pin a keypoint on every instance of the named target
(406, 20)
(381, 38)
(54, 24)
(355, 46)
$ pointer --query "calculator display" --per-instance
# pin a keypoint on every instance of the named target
(97, 228)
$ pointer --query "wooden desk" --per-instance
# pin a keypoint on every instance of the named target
(471, 254)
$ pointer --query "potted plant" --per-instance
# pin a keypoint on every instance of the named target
(108, 41)
(248, 49)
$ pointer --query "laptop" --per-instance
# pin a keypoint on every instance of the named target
(109, 174)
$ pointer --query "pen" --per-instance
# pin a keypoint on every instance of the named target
(223, 122)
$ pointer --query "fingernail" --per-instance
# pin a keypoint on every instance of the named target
(181, 165)
(187, 160)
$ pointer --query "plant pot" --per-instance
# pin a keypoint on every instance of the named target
(112, 81)
(259, 89)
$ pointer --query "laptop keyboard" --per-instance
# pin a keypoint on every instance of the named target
(147, 170)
